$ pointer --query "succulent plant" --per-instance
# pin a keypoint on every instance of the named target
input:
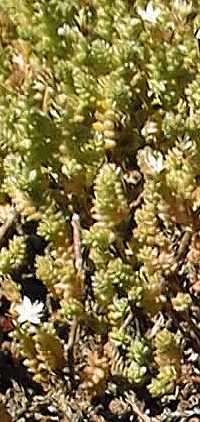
(99, 113)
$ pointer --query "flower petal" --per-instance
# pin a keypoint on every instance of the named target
(34, 319)
(38, 307)
(26, 303)
(21, 319)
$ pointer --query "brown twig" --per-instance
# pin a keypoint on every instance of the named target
(142, 417)
(184, 245)
(72, 335)
(156, 327)
(73, 338)
(127, 320)
(8, 223)
(77, 242)
(191, 329)
(136, 202)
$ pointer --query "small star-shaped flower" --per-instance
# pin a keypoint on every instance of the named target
(154, 160)
(150, 14)
(29, 311)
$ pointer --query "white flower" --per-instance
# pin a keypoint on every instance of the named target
(155, 161)
(29, 311)
(61, 31)
(19, 60)
(184, 7)
(150, 14)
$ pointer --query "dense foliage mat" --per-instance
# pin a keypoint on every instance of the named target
(99, 210)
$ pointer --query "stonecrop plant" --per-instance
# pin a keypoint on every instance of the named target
(100, 119)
